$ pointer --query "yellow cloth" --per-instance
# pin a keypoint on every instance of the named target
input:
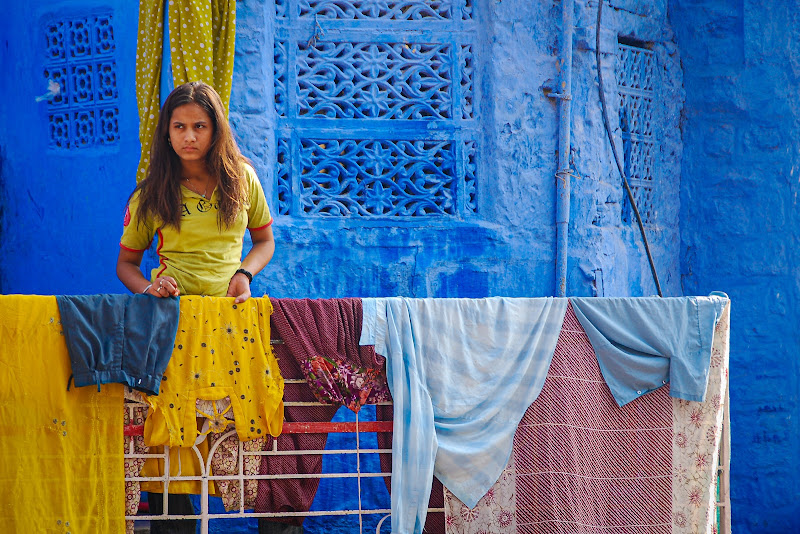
(202, 38)
(62, 466)
(221, 350)
(200, 256)
(148, 76)
(228, 347)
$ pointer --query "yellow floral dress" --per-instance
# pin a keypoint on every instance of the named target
(221, 350)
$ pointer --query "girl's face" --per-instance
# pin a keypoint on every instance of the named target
(191, 132)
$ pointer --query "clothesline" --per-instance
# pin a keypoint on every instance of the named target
(462, 373)
(302, 324)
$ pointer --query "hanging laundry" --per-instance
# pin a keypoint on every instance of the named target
(293, 494)
(212, 26)
(495, 512)
(578, 455)
(309, 329)
(225, 461)
(583, 464)
(183, 461)
(62, 468)
(133, 414)
(125, 339)
(696, 437)
(461, 372)
(221, 349)
(434, 521)
(643, 343)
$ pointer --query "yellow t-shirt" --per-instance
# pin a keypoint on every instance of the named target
(201, 257)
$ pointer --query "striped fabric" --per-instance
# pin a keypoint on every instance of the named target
(583, 464)
(462, 372)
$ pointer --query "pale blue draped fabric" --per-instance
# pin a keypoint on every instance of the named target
(643, 343)
(462, 373)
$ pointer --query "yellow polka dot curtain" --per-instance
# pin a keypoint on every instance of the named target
(202, 35)
(148, 75)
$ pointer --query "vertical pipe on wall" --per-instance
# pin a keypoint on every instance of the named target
(563, 172)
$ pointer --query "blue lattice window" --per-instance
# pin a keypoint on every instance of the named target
(376, 120)
(81, 72)
(635, 78)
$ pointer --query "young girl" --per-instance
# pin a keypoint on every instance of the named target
(199, 196)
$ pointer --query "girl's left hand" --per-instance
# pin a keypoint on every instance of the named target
(239, 287)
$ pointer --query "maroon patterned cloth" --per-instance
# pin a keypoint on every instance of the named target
(583, 464)
(309, 329)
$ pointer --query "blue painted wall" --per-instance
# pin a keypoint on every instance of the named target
(739, 231)
(508, 246)
(725, 175)
(61, 207)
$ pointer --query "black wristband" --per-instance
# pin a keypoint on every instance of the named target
(247, 273)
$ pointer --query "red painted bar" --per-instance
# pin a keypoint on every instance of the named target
(304, 428)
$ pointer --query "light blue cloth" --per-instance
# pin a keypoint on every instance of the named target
(462, 373)
(643, 343)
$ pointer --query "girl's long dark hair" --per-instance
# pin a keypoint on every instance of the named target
(160, 191)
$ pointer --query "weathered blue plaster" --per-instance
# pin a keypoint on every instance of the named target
(740, 228)
(609, 252)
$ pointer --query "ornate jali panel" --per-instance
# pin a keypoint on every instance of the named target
(377, 108)
(80, 71)
(635, 73)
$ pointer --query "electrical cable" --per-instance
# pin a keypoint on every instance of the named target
(614, 149)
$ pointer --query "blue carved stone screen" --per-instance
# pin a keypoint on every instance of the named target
(635, 74)
(81, 71)
(376, 108)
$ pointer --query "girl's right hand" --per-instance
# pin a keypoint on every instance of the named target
(164, 286)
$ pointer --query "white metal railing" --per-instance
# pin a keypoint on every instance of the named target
(722, 505)
(204, 477)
